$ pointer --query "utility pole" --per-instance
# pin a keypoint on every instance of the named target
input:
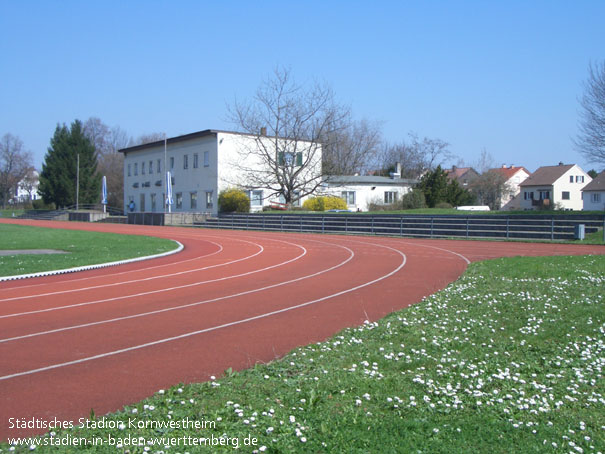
(78, 181)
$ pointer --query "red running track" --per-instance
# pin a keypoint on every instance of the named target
(106, 338)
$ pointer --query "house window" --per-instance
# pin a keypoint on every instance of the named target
(579, 179)
(390, 197)
(571, 178)
(159, 166)
(544, 195)
(143, 168)
(150, 167)
(295, 198)
(256, 198)
(136, 168)
(128, 169)
(565, 195)
(185, 161)
(209, 199)
(528, 195)
(206, 158)
(349, 197)
(193, 200)
(195, 161)
(595, 197)
(171, 162)
(179, 200)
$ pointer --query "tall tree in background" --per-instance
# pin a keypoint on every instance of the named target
(58, 177)
(107, 142)
(351, 148)
(591, 137)
(15, 162)
(287, 122)
(415, 155)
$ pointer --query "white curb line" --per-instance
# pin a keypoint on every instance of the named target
(93, 267)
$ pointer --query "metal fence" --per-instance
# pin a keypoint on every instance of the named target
(560, 227)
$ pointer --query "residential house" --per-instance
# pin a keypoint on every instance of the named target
(463, 175)
(593, 194)
(554, 187)
(513, 176)
(27, 189)
(201, 165)
(359, 191)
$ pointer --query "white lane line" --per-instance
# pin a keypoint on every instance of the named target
(17, 277)
(159, 311)
(214, 328)
(166, 289)
(468, 262)
(114, 284)
(125, 272)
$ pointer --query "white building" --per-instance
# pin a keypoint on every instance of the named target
(554, 187)
(513, 177)
(27, 188)
(593, 193)
(204, 163)
(360, 191)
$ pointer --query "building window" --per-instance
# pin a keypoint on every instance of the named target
(179, 200)
(195, 160)
(528, 195)
(544, 195)
(150, 167)
(159, 166)
(193, 200)
(256, 198)
(289, 159)
(143, 168)
(185, 161)
(595, 197)
(579, 178)
(349, 197)
(571, 178)
(128, 169)
(390, 197)
(142, 206)
(171, 162)
(136, 168)
(565, 195)
(209, 199)
(153, 204)
(206, 158)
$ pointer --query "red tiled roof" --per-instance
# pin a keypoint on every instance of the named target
(509, 172)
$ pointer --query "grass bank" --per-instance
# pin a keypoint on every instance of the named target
(83, 248)
(507, 359)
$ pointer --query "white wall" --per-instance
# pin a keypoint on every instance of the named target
(512, 200)
(366, 194)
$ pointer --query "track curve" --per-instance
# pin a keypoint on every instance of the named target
(109, 337)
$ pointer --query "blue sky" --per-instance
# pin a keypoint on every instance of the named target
(505, 76)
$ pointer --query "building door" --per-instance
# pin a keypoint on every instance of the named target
(142, 205)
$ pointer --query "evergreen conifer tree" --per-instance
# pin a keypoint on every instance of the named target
(58, 177)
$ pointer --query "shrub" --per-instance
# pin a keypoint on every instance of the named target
(233, 200)
(413, 200)
(323, 203)
(443, 205)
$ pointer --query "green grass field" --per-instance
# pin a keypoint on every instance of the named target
(83, 248)
(509, 358)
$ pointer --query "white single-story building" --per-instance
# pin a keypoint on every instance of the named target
(554, 187)
(593, 194)
(204, 163)
(360, 191)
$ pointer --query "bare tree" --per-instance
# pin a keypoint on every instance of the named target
(351, 148)
(107, 142)
(284, 124)
(149, 138)
(415, 155)
(591, 137)
(15, 162)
